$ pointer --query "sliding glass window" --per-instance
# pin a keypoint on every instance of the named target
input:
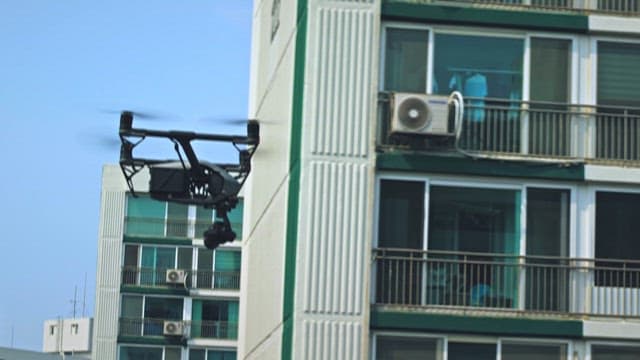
(406, 60)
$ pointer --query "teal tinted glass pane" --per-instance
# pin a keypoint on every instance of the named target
(401, 220)
(163, 308)
(145, 216)
(550, 69)
(610, 352)
(479, 221)
(131, 307)
(205, 269)
(197, 354)
(204, 219)
(405, 67)
(196, 317)
(235, 217)
(140, 353)
(399, 348)
(172, 353)
(618, 74)
(221, 355)
(227, 269)
(166, 258)
(177, 219)
(131, 255)
(469, 64)
(148, 273)
(468, 351)
(185, 258)
(232, 318)
(228, 260)
(533, 352)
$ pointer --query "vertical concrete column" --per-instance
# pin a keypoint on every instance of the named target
(337, 174)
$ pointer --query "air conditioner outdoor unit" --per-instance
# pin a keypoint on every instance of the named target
(176, 276)
(173, 328)
(421, 114)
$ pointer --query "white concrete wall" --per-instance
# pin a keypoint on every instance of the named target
(110, 233)
(332, 285)
(266, 189)
(74, 337)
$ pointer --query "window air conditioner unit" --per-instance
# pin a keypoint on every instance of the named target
(421, 114)
(176, 276)
(173, 328)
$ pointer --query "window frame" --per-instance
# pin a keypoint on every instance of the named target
(445, 338)
(433, 29)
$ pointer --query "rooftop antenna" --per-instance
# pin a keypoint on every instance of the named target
(75, 300)
(84, 295)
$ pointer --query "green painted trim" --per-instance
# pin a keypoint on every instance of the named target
(129, 289)
(525, 19)
(293, 201)
(151, 340)
(481, 167)
(503, 326)
(137, 239)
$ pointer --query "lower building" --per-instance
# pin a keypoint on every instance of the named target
(160, 294)
(68, 336)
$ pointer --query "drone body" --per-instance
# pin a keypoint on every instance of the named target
(192, 181)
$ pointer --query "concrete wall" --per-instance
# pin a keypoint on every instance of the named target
(266, 190)
(110, 233)
(67, 335)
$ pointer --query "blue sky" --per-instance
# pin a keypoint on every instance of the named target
(62, 63)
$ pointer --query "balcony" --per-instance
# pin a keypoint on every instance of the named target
(214, 329)
(190, 329)
(198, 279)
(527, 129)
(617, 7)
(160, 227)
(438, 281)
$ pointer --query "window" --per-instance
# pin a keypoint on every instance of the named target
(227, 269)
(548, 236)
(617, 227)
(400, 348)
(214, 319)
(177, 215)
(52, 329)
(614, 352)
(468, 64)
(406, 60)
(473, 244)
(470, 351)
(202, 354)
(618, 74)
(145, 315)
(154, 262)
(145, 216)
(523, 351)
(140, 353)
(74, 329)
(235, 218)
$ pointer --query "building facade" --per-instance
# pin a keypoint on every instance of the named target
(68, 336)
(160, 293)
(514, 238)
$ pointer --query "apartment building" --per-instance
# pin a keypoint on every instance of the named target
(160, 294)
(509, 232)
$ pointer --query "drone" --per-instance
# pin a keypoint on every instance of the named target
(191, 181)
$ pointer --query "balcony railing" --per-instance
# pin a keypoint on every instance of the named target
(618, 7)
(142, 326)
(161, 227)
(190, 329)
(214, 329)
(543, 129)
(497, 282)
(200, 279)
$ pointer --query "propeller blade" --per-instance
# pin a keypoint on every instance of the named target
(142, 115)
